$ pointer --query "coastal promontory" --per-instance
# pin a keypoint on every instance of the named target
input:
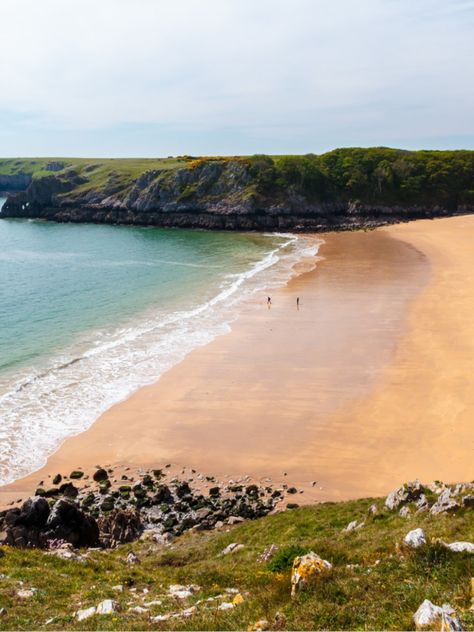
(342, 189)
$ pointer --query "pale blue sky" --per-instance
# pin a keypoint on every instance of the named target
(162, 77)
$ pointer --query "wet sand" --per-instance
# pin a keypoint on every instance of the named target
(363, 387)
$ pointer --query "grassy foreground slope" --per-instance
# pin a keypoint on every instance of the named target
(375, 583)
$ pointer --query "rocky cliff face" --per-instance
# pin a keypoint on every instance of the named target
(15, 182)
(211, 194)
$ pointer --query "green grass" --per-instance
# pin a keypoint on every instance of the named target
(374, 583)
(11, 166)
(97, 170)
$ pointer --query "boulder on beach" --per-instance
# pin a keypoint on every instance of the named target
(100, 475)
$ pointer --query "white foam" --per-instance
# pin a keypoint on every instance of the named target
(40, 409)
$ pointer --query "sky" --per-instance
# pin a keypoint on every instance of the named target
(202, 77)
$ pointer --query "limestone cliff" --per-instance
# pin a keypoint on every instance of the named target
(254, 193)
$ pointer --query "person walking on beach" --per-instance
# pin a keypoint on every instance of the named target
(297, 302)
(269, 301)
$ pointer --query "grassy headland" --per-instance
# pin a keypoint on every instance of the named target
(344, 187)
(375, 582)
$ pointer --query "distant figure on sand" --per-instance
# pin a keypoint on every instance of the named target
(297, 302)
(269, 301)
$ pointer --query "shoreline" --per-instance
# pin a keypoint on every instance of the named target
(96, 369)
(337, 365)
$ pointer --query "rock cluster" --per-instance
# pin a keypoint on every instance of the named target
(108, 606)
(437, 498)
(106, 513)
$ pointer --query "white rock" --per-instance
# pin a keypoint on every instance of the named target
(189, 612)
(138, 609)
(68, 553)
(183, 592)
(351, 526)
(415, 538)
(234, 520)
(404, 494)
(445, 503)
(226, 606)
(422, 502)
(132, 558)
(404, 512)
(150, 604)
(232, 548)
(26, 593)
(354, 525)
(86, 613)
(431, 617)
(232, 591)
(461, 547)
(165, 538)
(108, 606)
(436, 487)
(118, 588)
(161, 617)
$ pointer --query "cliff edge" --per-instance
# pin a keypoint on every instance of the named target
(342, 189)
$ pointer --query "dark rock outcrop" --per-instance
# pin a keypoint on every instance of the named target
(67, 522)
(122, 512)
(35, 524)
(100, 475)
(120, 525)
(18, 182)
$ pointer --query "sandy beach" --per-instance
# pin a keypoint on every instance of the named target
(366, 385)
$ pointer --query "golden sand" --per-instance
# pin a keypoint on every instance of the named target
(367, 385)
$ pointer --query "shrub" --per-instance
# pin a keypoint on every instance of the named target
(283, 560)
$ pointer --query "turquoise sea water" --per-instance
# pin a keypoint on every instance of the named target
(89, 313)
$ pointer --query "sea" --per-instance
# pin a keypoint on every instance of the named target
(90, 313)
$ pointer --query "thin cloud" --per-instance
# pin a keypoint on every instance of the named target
(309, 69)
